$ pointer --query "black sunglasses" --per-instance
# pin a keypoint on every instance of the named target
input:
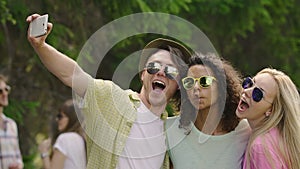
(59, 116)
(154, 67)
(204, 81)
(6, 88)
(257, 93)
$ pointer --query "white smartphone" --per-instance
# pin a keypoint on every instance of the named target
(38, 27)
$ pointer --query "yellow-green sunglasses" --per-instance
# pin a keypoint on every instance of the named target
(204, 81)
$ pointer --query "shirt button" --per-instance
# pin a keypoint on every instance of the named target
(129, 124)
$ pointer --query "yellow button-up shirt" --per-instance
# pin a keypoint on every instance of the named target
(109, 113)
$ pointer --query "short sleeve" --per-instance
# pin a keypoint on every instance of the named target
(61, 144)
(81, 100)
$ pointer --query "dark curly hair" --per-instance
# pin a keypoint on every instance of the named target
(229, 87)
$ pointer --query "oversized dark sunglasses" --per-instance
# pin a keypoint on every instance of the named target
(257, 93)
(154, 67)
(6, 88)
(204, 81)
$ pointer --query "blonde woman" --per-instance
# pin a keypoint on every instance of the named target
(270, 102)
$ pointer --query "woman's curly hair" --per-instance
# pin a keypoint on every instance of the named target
(229, 88)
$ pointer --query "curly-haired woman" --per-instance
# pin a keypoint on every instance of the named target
(208, 134)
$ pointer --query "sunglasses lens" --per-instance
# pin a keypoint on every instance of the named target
(257, 94)
(59, 116)
(247, 83)
(7, 89)
(153, 68)
(171, 72)
(188, 83)
(205, 81)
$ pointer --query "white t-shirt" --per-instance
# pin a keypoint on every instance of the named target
(72, 146)
(145, 147)
(201, 151)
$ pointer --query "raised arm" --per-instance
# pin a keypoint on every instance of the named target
(63, 67)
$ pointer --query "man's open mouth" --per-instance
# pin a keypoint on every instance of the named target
(158, 85)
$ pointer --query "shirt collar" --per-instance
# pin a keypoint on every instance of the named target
(137, 101)
(5, 119)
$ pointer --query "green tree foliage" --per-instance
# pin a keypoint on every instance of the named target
(5, 14)
(252, 34)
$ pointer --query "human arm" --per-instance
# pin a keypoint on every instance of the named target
(44, 148)
(57, 161)
(58, 158)
(17, 162)
(63, 67)
(15, 166)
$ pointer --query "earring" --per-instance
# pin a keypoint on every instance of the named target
(267, 114)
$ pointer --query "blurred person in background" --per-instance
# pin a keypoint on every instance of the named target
(10, 154)
(68, 150)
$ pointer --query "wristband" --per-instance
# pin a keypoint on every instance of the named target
(44, 155)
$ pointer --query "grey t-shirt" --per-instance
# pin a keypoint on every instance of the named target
(201, 151)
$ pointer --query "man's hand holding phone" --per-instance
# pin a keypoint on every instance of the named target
(38, 26)
(38, 29)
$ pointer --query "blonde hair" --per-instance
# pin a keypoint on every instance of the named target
(285, 117)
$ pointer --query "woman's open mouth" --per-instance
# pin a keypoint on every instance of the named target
(243, 106)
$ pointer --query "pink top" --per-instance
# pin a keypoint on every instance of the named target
(266, 143)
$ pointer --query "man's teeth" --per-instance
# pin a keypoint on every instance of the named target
(159, 82)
